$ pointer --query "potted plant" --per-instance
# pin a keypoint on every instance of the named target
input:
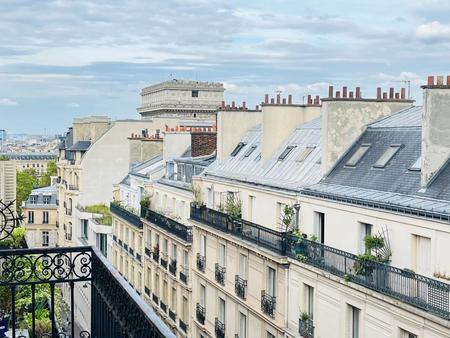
(233, 206)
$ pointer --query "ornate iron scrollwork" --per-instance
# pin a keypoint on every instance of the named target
(8, 219)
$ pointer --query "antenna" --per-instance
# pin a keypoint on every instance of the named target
(409, 86)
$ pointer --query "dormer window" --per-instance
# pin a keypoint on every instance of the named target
(305, 153)
(286, 152)
(46, 199)
(249, 151)
(238, 149)
(417, 166)
(33, 199)
(387, 156)
(358, 155)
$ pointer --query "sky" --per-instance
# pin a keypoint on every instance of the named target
(61, 59)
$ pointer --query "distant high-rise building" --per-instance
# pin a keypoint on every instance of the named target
(2, 134)
(7, 181)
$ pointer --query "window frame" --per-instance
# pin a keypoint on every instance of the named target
(356, 157)
(387, 155)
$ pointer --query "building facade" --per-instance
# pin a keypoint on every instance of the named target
(8, 182)
(35, 161)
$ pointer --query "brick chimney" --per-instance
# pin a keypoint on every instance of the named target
(435, 126)
(203, 143)
(345, 118)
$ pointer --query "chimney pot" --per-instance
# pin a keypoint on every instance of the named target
(344, 92)
(317, 99)
(397, 96)
(358, 92)
(448, 80)
(402, 93)
(350, 94)
(257, 107)
(266, 98)
(391, 93)
(284, 100)
(278, 98)
(430, 81)
(290, 98)
(309, 99)
(330, 92)
(338, 94)
(272, 101)
(379, 93)
(233, 104)
(385, 96)
(440, 80)
(223, 104)
(244, 104)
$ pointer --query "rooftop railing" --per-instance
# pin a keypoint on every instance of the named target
(126, 215)
(180, 230)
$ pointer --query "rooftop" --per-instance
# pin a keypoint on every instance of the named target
(183, 84)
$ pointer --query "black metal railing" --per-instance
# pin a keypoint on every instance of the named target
(163, 306)
(201, 262)
(200, 313)
(131, 251)
(139, 257)
(114, 238)
(126, 215)
(180, 230)
(115, 309)
(163, 261)
(219, 274)
(306, 328)
(219, 328)
(148, 252)
(155, 299)
(183, 276)
(240, 287)
(267, 238)
(120, 242)
(172, 315)
(125, 246)
(422, 292)
(268, 303)
(155, 254)
(173, 267)
(183, 326)
(147, 291)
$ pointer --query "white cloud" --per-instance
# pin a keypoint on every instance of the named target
(433, 32)
(402, 77)
(7, 102)
(73, 105)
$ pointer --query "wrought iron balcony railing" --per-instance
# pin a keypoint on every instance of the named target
(147, 291)
(184, 277)
(173, 316)
(268, 303)
(200, 313)
(306, 328)
(139, 257)
(219, 274)
(267, 238)
(126, 215)
(173, 267)
(115, 309)
(183, 326)
(155, 299)
(219, 328)
(240, 287)
(180, 230)
(163, 261)
(201, 262)
(155, 254)
(148, 252)
(163, 306)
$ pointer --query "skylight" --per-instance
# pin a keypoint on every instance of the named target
(257, 158)
(387, 156)
(237, 149)
(250, 151)
(358, 155)
(417, 166)
(305, 153)
(285, 153)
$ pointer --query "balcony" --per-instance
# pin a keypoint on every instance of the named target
(155, 255)
(125, 246)
(147, 291)
(139, 257)
(182, 231)
(183, 277)
(163, 306)
(264, 237)
(200, 313)
(183, 326)
(164, 261)
(201, 262)
(306, 327)
(173, 316)
(68, 212)
(155, 299)
(219, 328)
(120, 242)
(126, 215)
(268, 303)
(240, 287)
(219, 274)
(173, 267)
(148, 252)
(131, 251)
(115, 309)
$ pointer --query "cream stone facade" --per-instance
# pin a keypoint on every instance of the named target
(34, 161)
(8, 182)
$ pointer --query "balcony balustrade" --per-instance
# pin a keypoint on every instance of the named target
(163, 306)
(155, 254)
(219, 274)
(139, 257)
(126, 215)
(201, 262)
(240, 287)
(155, 299)
(148, 252)
(200, 313)
(147, 291)
(184, 277)
(163, 261)
(306, 328)
(183, 326)
(268, 304)
(180, 230)
(219, 328)
(173, 316)
(173, 267)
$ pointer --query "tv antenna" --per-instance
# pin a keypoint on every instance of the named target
(408, 82)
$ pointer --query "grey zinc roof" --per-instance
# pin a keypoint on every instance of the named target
(288, 173)
(395, 187)
(29, 156)
(80, 146)
(40, 193)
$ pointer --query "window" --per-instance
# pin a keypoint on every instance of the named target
(320, 226)
(45, 217)
(174, 252)
(194, 93)
(202, 295)
(242, 325)
(148, 239)
(173, 299)
(222, 255)
(148, 278)
(243, 266)
(270, 335)
(210, 198)
(185, 261)
(102, 244)
(203, 245)
(417, 166)
(271, 282)
(138, 281)
(365, 230)
(251, 208)
(84, 228)
(45, 238)
(222, 310)
(46, 199)
(305, 153)
(354, 322)
(165, 291)
(33, 199)
(30, 217)
(258, 158)
(237, 149)
(387, 156)
(422, 255)
(250, 151)
(358, 155)
(185, 313)
(285, 153)
(165, 247)
(407, 334)
(309, 300)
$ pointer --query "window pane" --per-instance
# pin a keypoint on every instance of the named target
(387, 156)
(237, 149)
(305, 153)
(358, 155)
(248, 152)
(285, 153)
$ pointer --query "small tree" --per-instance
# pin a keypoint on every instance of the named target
(197, 192)
(287, 216)
(233, 206)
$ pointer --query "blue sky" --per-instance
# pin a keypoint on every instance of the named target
(65, 58)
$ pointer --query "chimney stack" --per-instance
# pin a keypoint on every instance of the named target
(344, 92)
(358, 92)
(330, 92)
(266, 98)
(379, 93)
(278, 98)
(289, 99)
(284, 100)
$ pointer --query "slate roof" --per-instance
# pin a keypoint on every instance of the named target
(396, 187)
(30, 156)
(285, 174)
(40, 193)
(80, 146)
